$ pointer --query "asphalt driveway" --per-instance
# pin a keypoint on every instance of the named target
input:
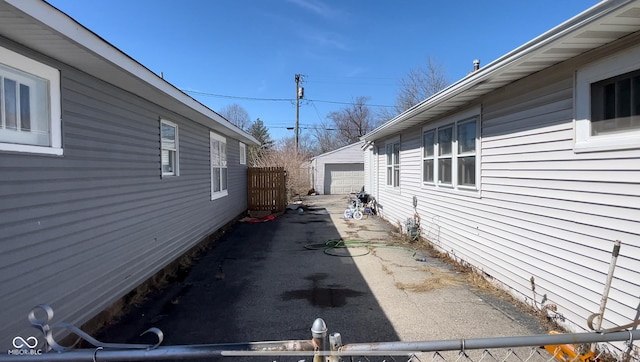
(267, 281)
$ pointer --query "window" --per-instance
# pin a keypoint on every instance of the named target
(466, 156)
(607, 103)
(393, 163)
(428, 142)
(218, 147)
(449, 156)
(615, 104)
(169, 141)
(445, 155)
(243, 154)
(29, 105)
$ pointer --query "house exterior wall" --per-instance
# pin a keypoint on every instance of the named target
(369, 170)
(543, 210)
(349, 154)
(81, 230)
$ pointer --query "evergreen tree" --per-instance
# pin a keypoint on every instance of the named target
(260, 132)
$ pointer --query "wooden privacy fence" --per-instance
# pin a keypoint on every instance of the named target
(267, 189)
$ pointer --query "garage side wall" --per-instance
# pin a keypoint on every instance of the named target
(351, 154)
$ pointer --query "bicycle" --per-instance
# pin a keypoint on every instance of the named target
(354, 210)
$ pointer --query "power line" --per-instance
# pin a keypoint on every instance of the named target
(238, 97)
(350, 103)
(292, 100)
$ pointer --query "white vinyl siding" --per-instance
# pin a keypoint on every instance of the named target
(541, 210)
(29, 105)
(545, 209)
(218, 165)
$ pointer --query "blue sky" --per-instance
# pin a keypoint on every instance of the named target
(248, 51)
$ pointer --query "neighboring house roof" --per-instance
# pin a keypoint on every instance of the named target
(330, 153)
(603, 23)
(40, 26)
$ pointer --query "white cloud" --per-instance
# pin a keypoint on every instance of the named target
(317, 7)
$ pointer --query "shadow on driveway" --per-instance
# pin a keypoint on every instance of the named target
(259, 282)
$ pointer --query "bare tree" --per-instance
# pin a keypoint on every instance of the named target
(236, 115)
(419, 84)
(295, 163)
(306, 146)
(326, 137)
(353, 121)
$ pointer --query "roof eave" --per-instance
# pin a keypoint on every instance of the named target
(478, 83)
(102, 60)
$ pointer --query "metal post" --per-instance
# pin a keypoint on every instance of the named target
(319, 334)
(335, 342)
(607, 288)
(297, 110)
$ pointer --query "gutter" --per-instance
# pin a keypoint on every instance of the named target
(484, 74)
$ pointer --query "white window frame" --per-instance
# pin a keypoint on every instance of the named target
(51, 76)
(216, 140)
(452, 122)
(243, 154)
(429, 157)
(168, 148)
(609, 67)
(392, 163)
(441, 157)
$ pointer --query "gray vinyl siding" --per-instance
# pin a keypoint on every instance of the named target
(79, 231)
(543, 211)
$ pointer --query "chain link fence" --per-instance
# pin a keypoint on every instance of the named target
(325, 347)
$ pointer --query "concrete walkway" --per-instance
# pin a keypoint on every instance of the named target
(267, 281)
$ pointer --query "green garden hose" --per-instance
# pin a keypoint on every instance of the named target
(330, 246)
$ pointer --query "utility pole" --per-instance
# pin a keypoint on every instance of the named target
(299, 95)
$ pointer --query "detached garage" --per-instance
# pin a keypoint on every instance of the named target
(340, 171)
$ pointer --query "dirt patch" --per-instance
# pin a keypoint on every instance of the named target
(437, 280)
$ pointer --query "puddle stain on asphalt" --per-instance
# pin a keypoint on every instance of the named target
(331, 296)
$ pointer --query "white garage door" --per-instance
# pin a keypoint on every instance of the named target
(343, 178)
